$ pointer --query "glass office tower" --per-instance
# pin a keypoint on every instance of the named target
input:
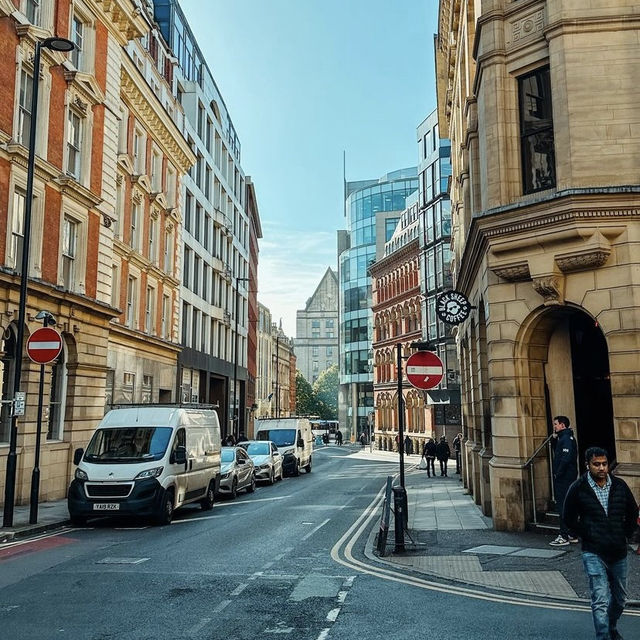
(372, 211)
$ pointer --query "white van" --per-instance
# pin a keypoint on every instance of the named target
(294, 439)
(147, 461)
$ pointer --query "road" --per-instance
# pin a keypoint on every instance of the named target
(285, 561)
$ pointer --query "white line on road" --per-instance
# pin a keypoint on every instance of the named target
(342, 596)
(323, 634)
(333, 614)
(267, 565)
(308, 535)
(220, 606)
(197, 627)
(17, 543)
(257, 574)
(239, 589)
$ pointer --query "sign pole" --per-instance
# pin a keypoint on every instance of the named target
(400, 415)
(35, 474)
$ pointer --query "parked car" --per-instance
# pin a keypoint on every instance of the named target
(294, 439)
(237, 471)
(266, 458)
(147, 461)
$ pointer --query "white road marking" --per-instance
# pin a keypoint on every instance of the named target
(239, 589)
(197, 627)
(221, 605)
(342, 595)
(333, 614)
(308, 535)
(323, 634)
(267, 565)
(18, 543)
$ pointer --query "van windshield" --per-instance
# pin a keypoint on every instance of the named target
(128, 444)
(280, 437)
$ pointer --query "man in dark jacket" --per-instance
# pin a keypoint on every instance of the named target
(429, 454)
(602, 510)
(444, 453)
(565, 471)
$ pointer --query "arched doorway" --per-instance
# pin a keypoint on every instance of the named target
(7, 374)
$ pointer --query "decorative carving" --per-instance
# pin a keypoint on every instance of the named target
(550, 288)
(517, 272)
(587, 259)
(527, 26)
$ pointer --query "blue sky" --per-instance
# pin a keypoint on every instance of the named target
(304, 80)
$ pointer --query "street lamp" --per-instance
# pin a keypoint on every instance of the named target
(54, 44)
(235, 365)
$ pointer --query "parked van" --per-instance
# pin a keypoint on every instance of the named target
(294, 439)
(147, 461)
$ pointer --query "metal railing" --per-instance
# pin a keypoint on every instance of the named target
(530, 463)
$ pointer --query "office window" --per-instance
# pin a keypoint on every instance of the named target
(58, 397)
(156, 171)
(33, 10)
(115, 285)
(171, 187)
(188, 211)
(168, 252)
(197, 223)
(147, 388)
(207, 232)
(78, 39)
(17, 230)
(166, 317)
(186, 268)
(315, 351)
(132, 300)
(128, 387)
(152, 245)
(24, 107)
(314, 366)
(328, 324)
(139, 151)
(197, 264)
(149, 311)
(315, 324)
(69, 252)
(74, 140)
(136, 223)
(536, 131)
(329, 334)
(329, 351)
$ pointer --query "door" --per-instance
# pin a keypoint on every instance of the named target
(245, 469)
(179, 471)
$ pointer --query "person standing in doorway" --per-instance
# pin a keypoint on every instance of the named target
(602, 510)
(457, 446)
(565, 471)
(444, 453)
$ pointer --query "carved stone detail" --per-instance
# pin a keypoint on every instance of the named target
(527, 26)
(517, 272)
(550, 288)
(589, 259)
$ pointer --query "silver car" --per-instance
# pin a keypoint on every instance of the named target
(237, 471)
(266, 458)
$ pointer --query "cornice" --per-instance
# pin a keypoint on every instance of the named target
(6, 8)
(401, 255)
(123, 18)
(149, 111)
(19, 155)
(136, 338)
(68, 185)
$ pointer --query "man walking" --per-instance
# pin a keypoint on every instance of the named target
(444, 453)
(565, 471)
(602, 510)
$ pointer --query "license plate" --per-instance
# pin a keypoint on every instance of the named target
(106, 506)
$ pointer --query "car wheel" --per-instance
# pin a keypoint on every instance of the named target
(296, 471)
(308, 467)
(165, 515)
(252, 487)
(234, 489)
(272, 477)
(207, 503)
(78, 521)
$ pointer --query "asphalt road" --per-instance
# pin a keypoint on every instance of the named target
(279, 562)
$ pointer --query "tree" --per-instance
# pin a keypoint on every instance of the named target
(306, 402)
(325, 389)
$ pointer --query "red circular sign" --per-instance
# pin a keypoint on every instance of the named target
(424, 370)
(44, 345)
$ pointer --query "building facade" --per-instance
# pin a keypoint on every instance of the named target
(372, 211)
(316, 341)
(73, 214)
(397, 323)
(215, 238)
(545, 200)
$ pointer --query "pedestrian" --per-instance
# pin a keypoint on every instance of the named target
(363, 438)
(565, 471)
(429, 453)
(443, 452)
(397, 442)
(339, 437)
(602, 510)
(457, 446)
(408, 445)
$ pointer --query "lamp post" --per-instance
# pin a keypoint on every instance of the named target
(235, 366)
(54, 44)
(278, 375)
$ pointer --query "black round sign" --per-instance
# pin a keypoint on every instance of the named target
(452, 307)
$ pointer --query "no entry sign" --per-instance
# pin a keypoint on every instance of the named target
(424, 370)
(44, 345)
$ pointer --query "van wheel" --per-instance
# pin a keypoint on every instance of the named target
(207, 503)
(234, 489)
(165, 515)
(252, 487)
(308, 467)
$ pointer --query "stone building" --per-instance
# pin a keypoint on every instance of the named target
(316, 341)
(539, 100)
(73, 219)
(397, 320)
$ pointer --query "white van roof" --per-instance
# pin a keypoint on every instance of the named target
(153, 416)
(264, 424)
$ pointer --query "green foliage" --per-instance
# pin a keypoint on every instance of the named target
(305, 397)
(325, 389)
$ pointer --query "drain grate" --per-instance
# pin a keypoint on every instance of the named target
(121, 560)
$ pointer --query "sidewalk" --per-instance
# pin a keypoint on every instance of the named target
(51, 515)
(451, 539)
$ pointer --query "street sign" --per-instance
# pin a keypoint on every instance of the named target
(44, 345)
(19, 403)
(424, 370)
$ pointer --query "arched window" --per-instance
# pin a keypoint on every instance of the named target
(58, 396)
(7, 373)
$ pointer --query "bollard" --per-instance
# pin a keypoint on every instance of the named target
(400, 517)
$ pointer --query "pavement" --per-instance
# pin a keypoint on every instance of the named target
(447, 538)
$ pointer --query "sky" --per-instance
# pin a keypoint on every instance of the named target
(304, 82)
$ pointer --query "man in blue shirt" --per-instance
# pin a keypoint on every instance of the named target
(603, 511)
